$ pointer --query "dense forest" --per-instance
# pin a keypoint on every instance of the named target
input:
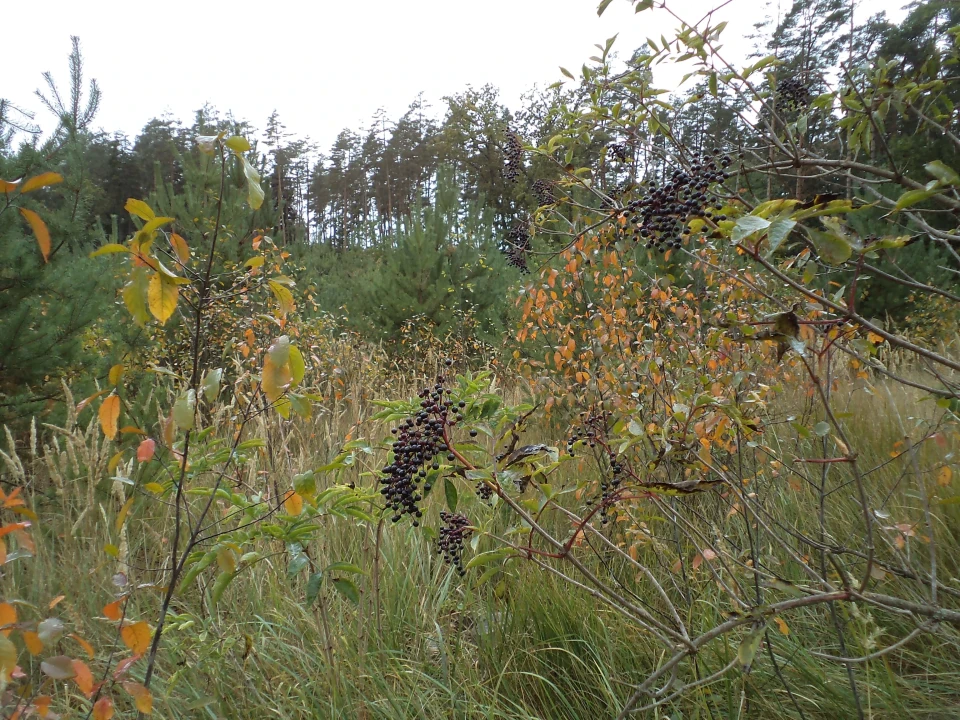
(627, 401)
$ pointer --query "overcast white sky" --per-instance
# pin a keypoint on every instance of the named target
(325, 64)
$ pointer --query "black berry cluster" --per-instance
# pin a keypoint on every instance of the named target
(543, 191)
(453, 533)
(512, 156)
(619, 151)
(792, 94)
(516, 246)
(610, 486)
(659, 217)
(592, 425)
(420, 442)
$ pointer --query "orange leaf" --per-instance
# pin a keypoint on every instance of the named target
(7, 187)
(293, 504)
(110, 416)
(40, 231)
(145, 450)
(141, 697)
(136, 637)
(124, 511)
(8, 616)
(41, 705)
(13, 527)
(113, 611)
(83, 677)
(41, 181)
(33, 642)
(180, 247)
(56, 601)
(87, 647)
(103, 709)
(3, 552)
(782, 626)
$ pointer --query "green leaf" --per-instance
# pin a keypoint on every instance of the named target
(297, 563)
(945, 174)
(749, 647)
(603, 6)
(135, 296)
(821, 428)
(211, 384)
(348, 588)
(339, 567)
(567, 73)
(485, 558)
(183, 410)
(779, 231)
(450, 491)
(223, 579)
(313, 587)
(305, 483)
(833, 249)
(912, 197)
(747, 226)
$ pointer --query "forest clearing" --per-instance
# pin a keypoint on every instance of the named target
(625, 402)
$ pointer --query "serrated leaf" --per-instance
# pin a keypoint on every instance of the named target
(184, 409)
(778, 232)
(40, 232)
(254, 191)
(284, 297)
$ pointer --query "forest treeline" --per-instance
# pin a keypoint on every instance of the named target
(423, 218)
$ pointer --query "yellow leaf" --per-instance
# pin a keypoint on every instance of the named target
(237, 143)
(8, 659)
(3, 552)
(944, 475)
(122, 515)
(284, 297)
(8, 616)
(111, 550)
(33, 642)
(136, 637)
(180, 247)
(227, 560)
(116, 372)
(114, 461)
(141, 697)
(254, 262)
(297, 365)
(140, 209)
(162, 297)
(40, 181)
(56, 601)
(103, 709)
(154, 487)
(109, 249)
(782, 626)
(110, 416)
(40, 231)
(293, 504)
(275, 380)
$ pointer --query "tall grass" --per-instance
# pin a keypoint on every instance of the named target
(526, 644)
